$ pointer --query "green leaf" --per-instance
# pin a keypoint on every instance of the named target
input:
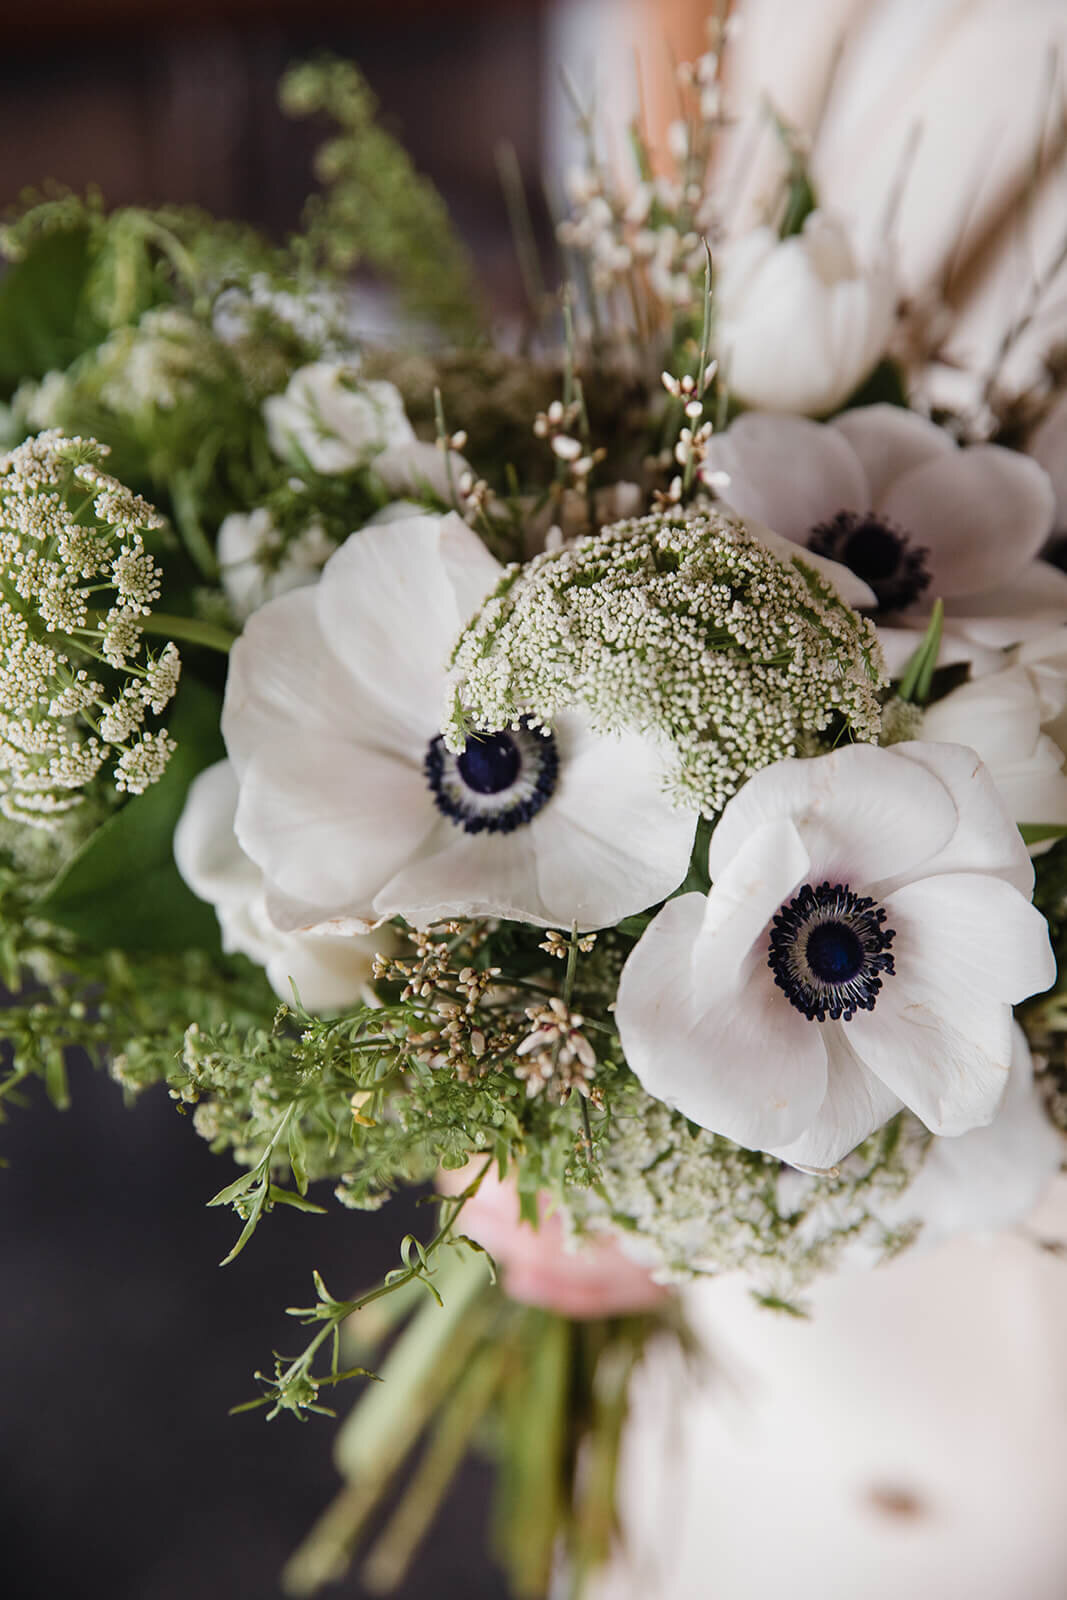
(44, 318)
(1038, 832)
(286, 1197)
(884, 387)
(122, 891)
(918, 677)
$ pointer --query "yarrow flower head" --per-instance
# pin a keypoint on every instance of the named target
(76, 682)
(356, 810)
(867, 933)
(689, 626)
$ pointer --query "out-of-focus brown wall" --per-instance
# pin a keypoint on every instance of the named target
(168, 101)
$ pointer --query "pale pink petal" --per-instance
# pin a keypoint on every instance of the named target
(889, 441)
(787, 472)
(981, 514)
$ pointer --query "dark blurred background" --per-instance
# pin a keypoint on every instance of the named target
(122, 1344)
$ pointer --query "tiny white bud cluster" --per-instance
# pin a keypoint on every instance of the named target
(680, 624)
(76, 584)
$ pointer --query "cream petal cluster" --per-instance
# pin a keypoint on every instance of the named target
(801, 323)
(334, 418)
(354, 809)
(867, 933)
(330, 971)
(253, 567)
(891, 495)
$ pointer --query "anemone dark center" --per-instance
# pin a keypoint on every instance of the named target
(882, 555)
(829, 951)
(497, 782)
(833, 952)
(490, 763)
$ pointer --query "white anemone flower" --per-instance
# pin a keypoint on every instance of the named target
(1001, 716)
(801, 323)
(335, 418)
(356, 811)
(330, 971)
(246, 543)
(892, 496)
(867, 932)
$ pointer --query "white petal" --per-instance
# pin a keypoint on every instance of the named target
(889, 441)
(971, 932)
(944, 1049)
(609, 842)
(769, 864)
(419, 468)
(994, 1175)
(862, 813)
(328, 823)
(459, 874)
(856, 1105)
(391, 603)
(282, 677)
(787, 472)
(739, 1060)
(1048, 446)
(982, 514)
(998, 715)
(206, 850)
(986, 839)
(1027, 607)
(329, 973)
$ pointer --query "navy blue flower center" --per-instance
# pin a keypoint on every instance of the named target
(490, 763)
(877, 552)
(498, 782)
(829, 951)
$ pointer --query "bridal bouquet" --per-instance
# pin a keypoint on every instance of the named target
(618, 771)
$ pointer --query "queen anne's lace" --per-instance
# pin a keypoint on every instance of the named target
(682, 625)
(76, 681)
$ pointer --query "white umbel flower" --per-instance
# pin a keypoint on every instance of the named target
(353, 807)
(334, 418)
(330, 971)
(866, 935)
(800, 322)
(893, 497)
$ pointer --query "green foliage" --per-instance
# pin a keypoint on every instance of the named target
(376, 208)
(46, 319)
(122, 890)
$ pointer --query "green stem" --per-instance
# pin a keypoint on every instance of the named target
(190, 630)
